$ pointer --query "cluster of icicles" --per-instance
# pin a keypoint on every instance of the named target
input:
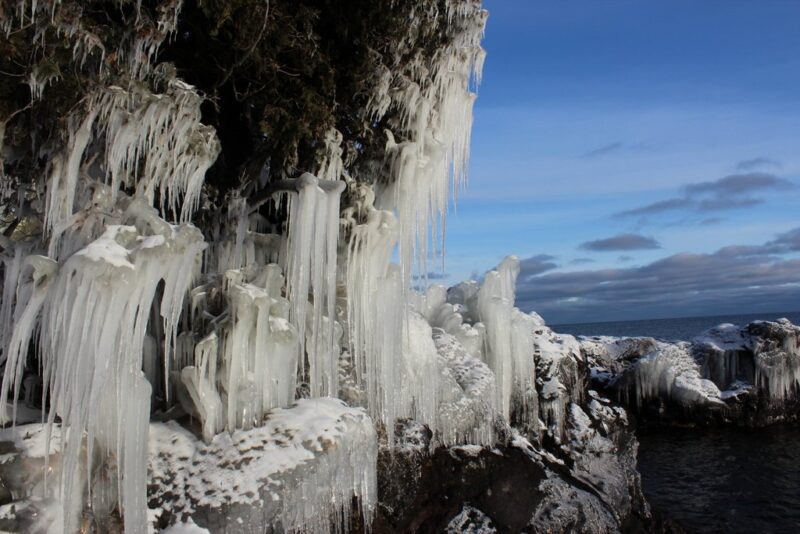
(125, 304)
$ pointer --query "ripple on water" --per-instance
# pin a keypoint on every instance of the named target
(724, 480)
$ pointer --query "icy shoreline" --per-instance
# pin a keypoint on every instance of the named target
(576, 473)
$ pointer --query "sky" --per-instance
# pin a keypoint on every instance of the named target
(641, 158)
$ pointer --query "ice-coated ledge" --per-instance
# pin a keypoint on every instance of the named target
(300, 470)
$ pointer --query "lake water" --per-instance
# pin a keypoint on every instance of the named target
(670, 329)
(715, 480)
(724, 480)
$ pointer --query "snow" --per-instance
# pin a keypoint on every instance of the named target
(188, 527)
(31, 440)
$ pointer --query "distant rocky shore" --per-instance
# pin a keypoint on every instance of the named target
(745, 376)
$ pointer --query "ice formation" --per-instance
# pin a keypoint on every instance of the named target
(764, 354)
(670, 372)
(508, 334)
(152, 142)
(374, 313)
(467, 408)
(394, 357)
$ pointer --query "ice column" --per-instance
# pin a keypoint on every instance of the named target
(311, 267)
(375, 313)
(496, 307)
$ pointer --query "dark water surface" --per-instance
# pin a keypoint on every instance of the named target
(669, 329)
(724, 480)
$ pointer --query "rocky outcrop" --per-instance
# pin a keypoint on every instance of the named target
(747, 376)
(573, 471)
(513, 487)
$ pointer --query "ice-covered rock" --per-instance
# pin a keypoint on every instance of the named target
(467, 407)
(763, 353)
(512, 487)
(561, 376)
(746, 375)
(566, 508)
(470, 521)
(299, 471)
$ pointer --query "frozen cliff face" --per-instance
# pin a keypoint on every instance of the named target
(765, 354)
(669, 372)
(747, 374)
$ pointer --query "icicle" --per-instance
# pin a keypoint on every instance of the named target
(134, 423)
(522, 350)
(418, 384)
(44, 270)
(12, 269)
(258, 355)
(64, 176)
(152, 142)
(331, 166)
(93, 330)
(311, 267)
(163, 134)
(430, 148)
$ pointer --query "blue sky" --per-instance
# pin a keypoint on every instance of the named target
(619, 145)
